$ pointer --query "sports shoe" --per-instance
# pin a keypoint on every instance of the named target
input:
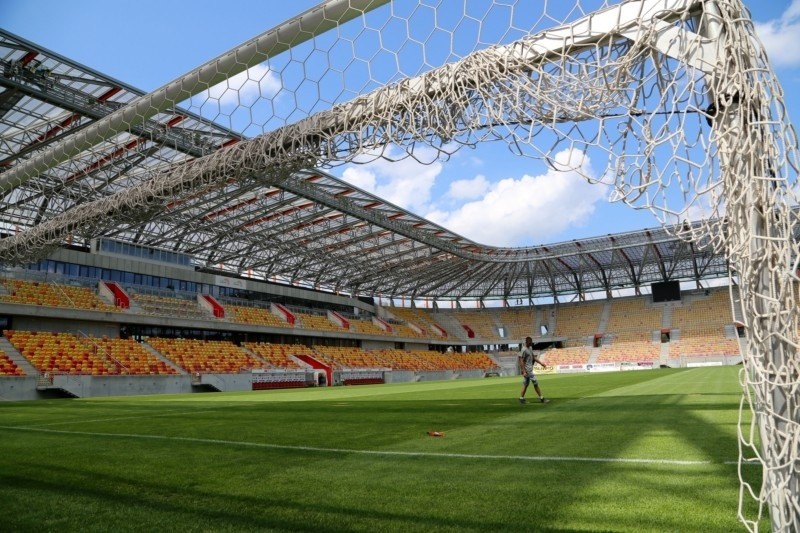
(544, 400)
(523, 400)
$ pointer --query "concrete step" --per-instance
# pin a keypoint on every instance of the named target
(158, 355)
(17, 358)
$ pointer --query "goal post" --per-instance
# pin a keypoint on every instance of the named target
(762, 245)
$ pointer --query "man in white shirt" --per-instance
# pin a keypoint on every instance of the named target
(527, 358)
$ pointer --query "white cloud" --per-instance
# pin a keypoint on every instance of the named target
(530, 209)
(570, 161)
(703, 208)
(242, 89)
(780, 37)
(793, 11)
(519, 211)
(360, 177)
(397, 178)
(468, 189)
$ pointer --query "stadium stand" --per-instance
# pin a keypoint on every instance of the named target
(257, 316)
(308, 320)
(566, 356)
(629, 331)
(699, 327)
(630, 347)
(405, 360)
(160, 305)
(52, 295)
(9, 367)
(438, 361)
(704, 346)
(277, 355)
(404, 330)
(419, 317)
(467, 361)
(633, 315)
(356, 365)
(350, 357)
(576, 321)
(68, 353)
(480, 322)
(203, 356)
(132, 357)
(448, 321)
(429, 360)
(519, 323)
(366, 327)
(700, 312)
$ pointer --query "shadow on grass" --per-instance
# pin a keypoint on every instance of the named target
(129, 482)
(105, 503)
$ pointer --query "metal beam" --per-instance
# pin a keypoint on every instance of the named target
(302, 28)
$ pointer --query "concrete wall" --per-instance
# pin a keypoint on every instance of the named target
(377, 345)
(400, 376)
(25, 388)
(18, 388)
(93, 386)
(39, 323)
(469, 374)
(228, 382)
(440, 375)
(418, 346)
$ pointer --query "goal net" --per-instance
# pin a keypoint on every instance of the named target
(675, 99)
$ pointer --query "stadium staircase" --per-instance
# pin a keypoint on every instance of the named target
(497, 322)
(255, 356)
(604, 316)
(538, 322)
(738, 315)
(91, 344)
(496, 359)
(545, 317)
(550, 318)
(663, 358)
(666, 317)
(135, 308)
(594, 353)
(158, 355)
(451, 324)
(69, 386)
(16, 357)
(211, 382)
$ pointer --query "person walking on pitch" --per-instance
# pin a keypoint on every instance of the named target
(527, 358)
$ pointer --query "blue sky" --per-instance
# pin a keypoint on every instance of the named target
(486, 194)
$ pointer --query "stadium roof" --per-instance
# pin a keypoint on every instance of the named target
(309, 228)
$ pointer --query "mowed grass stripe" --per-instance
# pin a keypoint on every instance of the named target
(613, 452)
(389, 453)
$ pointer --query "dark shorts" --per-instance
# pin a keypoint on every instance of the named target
(530, 378)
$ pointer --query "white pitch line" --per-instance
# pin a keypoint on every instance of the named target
(384, 453)
(114, 419)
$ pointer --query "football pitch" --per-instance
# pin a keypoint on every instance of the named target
(631, 451)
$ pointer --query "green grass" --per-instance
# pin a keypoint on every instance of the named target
(630, 451)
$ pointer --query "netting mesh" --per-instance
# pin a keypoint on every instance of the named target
(675, 96)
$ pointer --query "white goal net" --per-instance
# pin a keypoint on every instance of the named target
(675, 98)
